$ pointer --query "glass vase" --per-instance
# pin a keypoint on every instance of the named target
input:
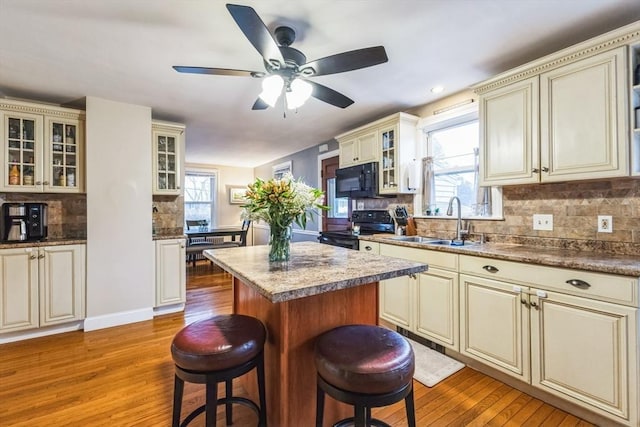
(279, 242)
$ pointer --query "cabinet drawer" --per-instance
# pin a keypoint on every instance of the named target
(438, 259)
(601, 286)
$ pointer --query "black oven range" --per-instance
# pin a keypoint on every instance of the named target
(372, 221)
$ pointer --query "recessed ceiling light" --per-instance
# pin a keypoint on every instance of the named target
(437, 89)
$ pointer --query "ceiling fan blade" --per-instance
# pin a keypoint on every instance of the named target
(346, 61)
(260, 105)
(217, 71)
(257, 33)
(329, 96)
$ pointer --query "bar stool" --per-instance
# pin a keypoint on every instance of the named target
(365, 366)
(217, 350)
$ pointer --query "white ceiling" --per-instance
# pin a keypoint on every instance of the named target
(63, 50)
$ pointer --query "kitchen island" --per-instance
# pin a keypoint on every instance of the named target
(320, 288)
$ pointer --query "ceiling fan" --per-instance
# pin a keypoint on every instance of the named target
(287, 68)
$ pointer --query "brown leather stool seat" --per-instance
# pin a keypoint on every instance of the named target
(216, 350)
(366, 366)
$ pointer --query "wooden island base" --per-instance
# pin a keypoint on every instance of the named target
(292, 329)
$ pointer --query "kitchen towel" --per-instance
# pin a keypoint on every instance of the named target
(432, 366)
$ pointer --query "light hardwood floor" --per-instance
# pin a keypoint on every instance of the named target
(123, 376)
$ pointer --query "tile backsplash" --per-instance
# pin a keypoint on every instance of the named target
(67, 213)
(575, 207)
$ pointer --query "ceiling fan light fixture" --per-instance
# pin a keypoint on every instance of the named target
(271, 89)
(298, 94)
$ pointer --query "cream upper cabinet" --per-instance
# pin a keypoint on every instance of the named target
(41, 286)
(566, 123)
(168, 158)
(43, 148)
(170, 272)
(509, 149)
(390, 142)
(359, 148)
(398, 165)
(582, 119)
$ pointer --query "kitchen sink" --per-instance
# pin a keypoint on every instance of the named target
(430, 241)
(412, 239)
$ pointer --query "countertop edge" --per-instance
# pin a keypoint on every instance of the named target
(624, 265)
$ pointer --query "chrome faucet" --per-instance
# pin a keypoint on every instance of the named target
(459, 221)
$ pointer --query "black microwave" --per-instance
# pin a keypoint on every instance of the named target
(359, 181)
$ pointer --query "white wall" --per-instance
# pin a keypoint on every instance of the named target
(120, 276)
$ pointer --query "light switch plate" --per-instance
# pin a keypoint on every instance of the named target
(605, 224)
(543, 222)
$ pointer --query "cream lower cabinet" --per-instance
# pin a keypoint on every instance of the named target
(170, 272)
(41, 286)
(426, 304)
(572, 333)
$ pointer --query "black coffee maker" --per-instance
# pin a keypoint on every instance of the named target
(24, 222)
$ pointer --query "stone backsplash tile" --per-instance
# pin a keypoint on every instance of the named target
(67, 213)
(575, 207)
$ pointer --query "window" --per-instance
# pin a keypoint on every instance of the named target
(451, 168)
(338, 206)
(200, 196)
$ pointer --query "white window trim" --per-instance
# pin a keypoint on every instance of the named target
(450, 118)
(190, 170)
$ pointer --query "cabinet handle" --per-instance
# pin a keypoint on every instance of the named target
(535, 170)
(545, 169)
(413, 276)
(32, 257)
(534, 304)
(368, 248)
(524, 302)
(45, 183)
(490, 268)
(178, 187)
(578, 283)
(38, 182)
(40, 256)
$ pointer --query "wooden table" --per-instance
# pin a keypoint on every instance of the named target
(320, 288)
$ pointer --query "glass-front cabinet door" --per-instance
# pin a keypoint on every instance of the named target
(388, 160)
(62, 156)
(22, 139)
(167, 156)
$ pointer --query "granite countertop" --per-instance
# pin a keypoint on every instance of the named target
(168, 236)
(47, 242)
(313, 268)
(626, 265)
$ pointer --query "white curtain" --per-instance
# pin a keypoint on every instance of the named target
(428, 186)
(483, 194)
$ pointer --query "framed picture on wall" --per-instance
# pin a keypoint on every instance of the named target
(236, 195)
(281, 169)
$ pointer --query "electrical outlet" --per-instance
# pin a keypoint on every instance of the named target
(543, 222)
(605, 224)
(360, 206)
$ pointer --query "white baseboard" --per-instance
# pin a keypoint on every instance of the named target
(117, 319)
(168, 309)
(40, 332)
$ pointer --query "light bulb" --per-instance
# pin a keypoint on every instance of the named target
(271, 89)
(299, 93)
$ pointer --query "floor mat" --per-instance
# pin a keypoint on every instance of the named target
(432, 366)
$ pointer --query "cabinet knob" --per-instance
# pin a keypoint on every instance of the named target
(413, 276)
(581, 284)
(40, 256)
(38, 182)
(32, 257)
(45, 183)
(490, 268)
(545, 169)
(177, 187)
(368, 248)
(535, 170)
(534, 304)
